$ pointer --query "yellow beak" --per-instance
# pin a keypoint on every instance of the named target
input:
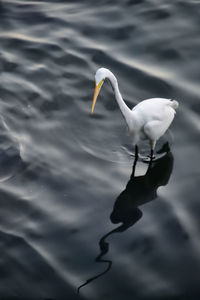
(96, 93)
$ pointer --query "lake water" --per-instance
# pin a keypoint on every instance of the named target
(73, 213)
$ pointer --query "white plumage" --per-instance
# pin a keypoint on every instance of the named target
(147, 120)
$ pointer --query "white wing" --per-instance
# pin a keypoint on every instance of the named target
(156, 127)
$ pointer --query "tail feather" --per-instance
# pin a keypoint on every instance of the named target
(174, 104)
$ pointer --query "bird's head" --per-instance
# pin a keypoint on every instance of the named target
(100, 76)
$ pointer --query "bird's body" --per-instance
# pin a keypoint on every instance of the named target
(151, 118)
(148, 120)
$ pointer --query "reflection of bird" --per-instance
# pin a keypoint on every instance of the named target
(148, 120)
(139, 190)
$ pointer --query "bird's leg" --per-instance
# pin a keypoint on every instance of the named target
(136, 151)
(135, 161)
(152, 145)
(151, 153)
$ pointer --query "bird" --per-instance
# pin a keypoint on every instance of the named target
(148, 120)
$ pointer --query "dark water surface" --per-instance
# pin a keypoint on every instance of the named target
(73, 211)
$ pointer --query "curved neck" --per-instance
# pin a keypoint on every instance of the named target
(126, 112)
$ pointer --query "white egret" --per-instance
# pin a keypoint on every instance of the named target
(148, 120)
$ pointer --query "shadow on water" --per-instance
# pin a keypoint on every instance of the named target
(14, 248)
(139, 190)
